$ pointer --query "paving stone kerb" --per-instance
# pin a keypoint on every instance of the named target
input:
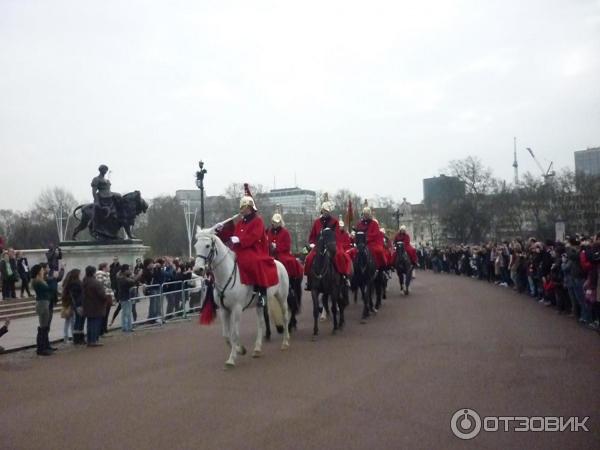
(392, 383)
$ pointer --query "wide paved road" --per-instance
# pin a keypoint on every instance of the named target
(393, 383)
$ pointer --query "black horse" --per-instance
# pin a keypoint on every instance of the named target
(403, 266)
(128, 207)
(325, 279)
(363, 279)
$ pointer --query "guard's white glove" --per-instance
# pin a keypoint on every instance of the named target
(274, 245)
(235, 240)
(312, 245)
(219, 227)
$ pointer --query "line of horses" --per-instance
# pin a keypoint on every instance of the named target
(330, 291)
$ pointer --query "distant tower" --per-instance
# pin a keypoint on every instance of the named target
(515, 163)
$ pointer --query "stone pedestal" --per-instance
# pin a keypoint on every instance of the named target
(80, 254)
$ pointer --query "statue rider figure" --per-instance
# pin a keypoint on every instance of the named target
(105, 201)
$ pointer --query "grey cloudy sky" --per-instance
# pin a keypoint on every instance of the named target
(371, 96)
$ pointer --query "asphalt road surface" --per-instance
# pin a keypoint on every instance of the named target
(392, 383)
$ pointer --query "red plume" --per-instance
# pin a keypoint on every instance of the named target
(247, 190)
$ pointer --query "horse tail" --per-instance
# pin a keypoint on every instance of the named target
(77, 209)
(276, 313)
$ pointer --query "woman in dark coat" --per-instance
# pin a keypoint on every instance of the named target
(94, 305)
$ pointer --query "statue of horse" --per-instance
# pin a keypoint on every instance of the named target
(326, 280)
(403, 266)
(363, 279)
(129, 206)
(233, 297)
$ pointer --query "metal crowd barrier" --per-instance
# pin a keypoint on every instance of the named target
(158, 303)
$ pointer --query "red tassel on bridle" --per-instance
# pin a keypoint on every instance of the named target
(209, 310)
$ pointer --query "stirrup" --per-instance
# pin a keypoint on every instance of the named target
(260, 300)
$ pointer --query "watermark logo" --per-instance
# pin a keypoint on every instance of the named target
(466, 424)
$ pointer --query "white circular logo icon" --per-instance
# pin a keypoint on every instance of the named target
(465, 424)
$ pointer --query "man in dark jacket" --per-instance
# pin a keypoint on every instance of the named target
(94, 305)
(23, 269)
(53, 255)
(9, 274)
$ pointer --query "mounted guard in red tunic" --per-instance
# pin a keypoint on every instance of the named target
(375, 241)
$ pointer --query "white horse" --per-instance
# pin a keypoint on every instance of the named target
(232, 297)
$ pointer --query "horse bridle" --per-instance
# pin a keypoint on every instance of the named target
(208, 260)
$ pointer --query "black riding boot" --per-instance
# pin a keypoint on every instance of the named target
(261, 292)
(41, 343)
(308, 285)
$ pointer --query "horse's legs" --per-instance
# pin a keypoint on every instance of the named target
(365, 298)
(267, 323)
(315, 300)
(260, 319)
(286, 320)
(334, 302)
(378, 288)
(225, 317)
(236, 315)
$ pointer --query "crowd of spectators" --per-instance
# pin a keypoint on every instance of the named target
(87, 295)
(563, 275)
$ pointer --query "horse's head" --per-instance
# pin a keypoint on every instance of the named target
(206, 250)
(361, 240)
(327, 241)
(400, 247)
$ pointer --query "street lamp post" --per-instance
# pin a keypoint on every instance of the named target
(200, 183)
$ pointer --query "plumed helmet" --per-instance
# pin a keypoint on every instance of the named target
(366, 211)
(326, 205)
(277, 219)
(247, 199)
(403, 228)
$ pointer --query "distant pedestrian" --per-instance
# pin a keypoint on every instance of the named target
(23, 269)
(3, 331)
(125, 283)
(8, 271)
(94, 305)
(73, 292)
(68, 304)
(103, 276)
(43, 295)
(53, 255)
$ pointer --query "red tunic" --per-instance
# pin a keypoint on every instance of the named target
(257, 268)
(342, 261)
(346, 242)
(403, 236)
(281, 246)
(374, 241)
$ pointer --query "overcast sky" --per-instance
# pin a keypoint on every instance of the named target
(371, 96)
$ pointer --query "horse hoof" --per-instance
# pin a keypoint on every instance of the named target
(285, 346)
(229, 365)
(242, 350)
(256, 354)
(314, 338)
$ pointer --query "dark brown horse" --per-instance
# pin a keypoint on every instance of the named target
(325, 280)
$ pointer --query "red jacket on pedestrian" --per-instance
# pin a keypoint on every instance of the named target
(257, 268)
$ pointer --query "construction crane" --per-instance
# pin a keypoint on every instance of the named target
(547, 174)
